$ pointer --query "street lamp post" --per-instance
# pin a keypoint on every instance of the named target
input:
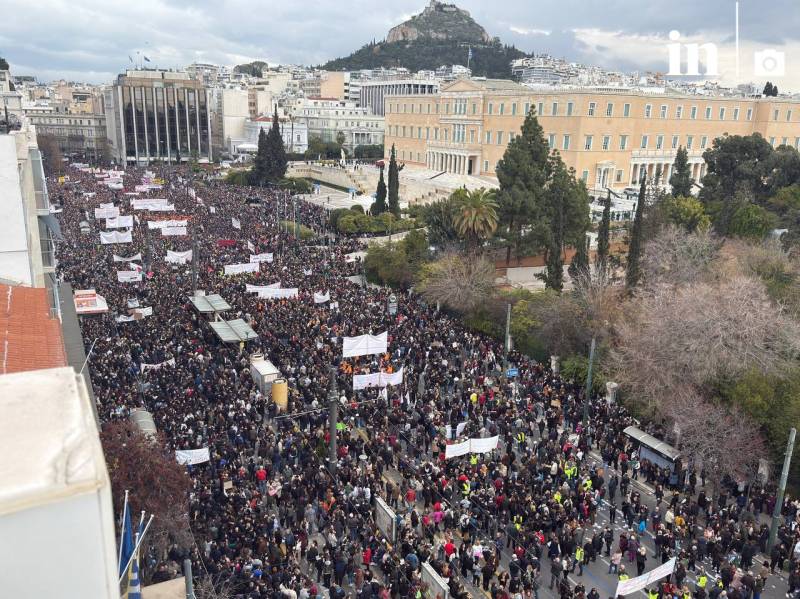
(333, 417)
(588, 387)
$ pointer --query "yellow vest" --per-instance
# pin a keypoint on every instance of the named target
(557, 496)
(473, 459)
(702, 581)
(465, 489)
(624, 576)
(579, 554)
(652, 595)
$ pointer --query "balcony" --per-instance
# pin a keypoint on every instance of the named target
(664, 154)
(448, 146)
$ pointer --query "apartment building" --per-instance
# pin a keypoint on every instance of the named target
(610, 137)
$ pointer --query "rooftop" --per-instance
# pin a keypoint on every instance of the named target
(30, 339)
(51, 448)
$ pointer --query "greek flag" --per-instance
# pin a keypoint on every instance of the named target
(134, 585)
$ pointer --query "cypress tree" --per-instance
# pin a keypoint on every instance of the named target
(380, 197)
(603, 237)
(259, 173)
(579, 267)
(276, 153)
(394, 184)
(681, 179)
(633, 273)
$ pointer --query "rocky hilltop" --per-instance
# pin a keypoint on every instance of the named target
(440, 21)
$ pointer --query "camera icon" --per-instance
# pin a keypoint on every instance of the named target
(769, 63)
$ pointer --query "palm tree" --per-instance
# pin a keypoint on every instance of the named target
(476, 214)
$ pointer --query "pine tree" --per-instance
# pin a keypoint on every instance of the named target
(276, 153)
(604, 237)
(633, 273)
(380, 197)
(394, 184)
(259, 174)
(523, 174)
(681, 178)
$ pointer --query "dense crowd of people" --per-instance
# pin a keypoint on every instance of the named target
(273, 515)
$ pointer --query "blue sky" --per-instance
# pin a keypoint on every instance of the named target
(90, 40)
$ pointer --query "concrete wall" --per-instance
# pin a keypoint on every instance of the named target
(15, 261)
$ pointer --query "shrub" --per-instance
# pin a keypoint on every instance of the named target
(304, 232)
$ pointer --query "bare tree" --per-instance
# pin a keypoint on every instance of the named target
(675, 257)
(691, 335)
(460, 282)
(720, 438)
(158, 485)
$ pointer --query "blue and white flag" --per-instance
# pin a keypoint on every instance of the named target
(134, 585)
(126, 539)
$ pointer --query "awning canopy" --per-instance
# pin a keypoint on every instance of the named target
(233, 331)
(52, 223)
(208, 304)
(652, 442)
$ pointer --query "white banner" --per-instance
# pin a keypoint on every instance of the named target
(129, 276)
(160, 224)
(235, 269)
(235, 223)
(483, 445)
(152, 204)
(140, 313)
(111, 212)
(119, 222)
(278, 293)
(459, 429)
(456, 449)
(131, 259)
(261, 258)
(212, 210)
(173, 231)
(192, 456)
(179, 257)
(377, 379)
(251, 247)
(170, 362)
(321, 298)
(626, 587)
(124, 318)
(259, 288)
(109, 237)
(365, 345)
(471, 446)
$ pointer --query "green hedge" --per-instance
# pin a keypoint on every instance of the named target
(305, 232)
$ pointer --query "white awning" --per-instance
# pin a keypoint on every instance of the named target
(233, 331)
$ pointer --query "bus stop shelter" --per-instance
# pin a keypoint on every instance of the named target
(209, 304)
(653, 449)
(233, 331)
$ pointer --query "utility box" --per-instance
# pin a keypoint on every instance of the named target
(264, 373)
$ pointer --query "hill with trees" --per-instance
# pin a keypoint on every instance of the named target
(442, 34)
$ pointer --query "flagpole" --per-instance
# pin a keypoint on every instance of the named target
(136, 547)
(122, 530)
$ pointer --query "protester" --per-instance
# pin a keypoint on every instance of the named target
(271, 514)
